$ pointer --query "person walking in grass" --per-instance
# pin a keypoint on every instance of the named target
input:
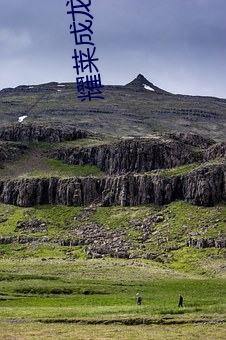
(180, 301)
(139, 299)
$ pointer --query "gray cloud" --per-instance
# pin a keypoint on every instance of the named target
(177, 44)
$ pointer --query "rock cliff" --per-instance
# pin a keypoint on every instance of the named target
(191, 139)
(133, 167)
(215, 151)
(132, 155)
(205, 186)
(37, 132)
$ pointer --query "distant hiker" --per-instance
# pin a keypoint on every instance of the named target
(139, 299)
(180, 301)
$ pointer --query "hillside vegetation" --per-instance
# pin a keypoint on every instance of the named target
(99, 203)
(129, 110)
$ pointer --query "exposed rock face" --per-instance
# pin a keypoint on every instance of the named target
(192, 139)
(125, 162)
(35, 133)
(218, 242)
(9, 151)
(205, 186)
(215, 151)
(131, 155)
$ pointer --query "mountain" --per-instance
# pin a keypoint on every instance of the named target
(138, 174)
(140, 83)
(138, 108)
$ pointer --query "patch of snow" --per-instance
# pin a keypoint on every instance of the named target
(61, 85)
(148, 87)
(31, 87)
(21, 118)
(59, 90)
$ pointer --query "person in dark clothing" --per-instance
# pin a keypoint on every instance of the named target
(139, 299)
(180, 301)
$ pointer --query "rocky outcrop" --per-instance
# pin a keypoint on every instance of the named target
(201, 243)
(125, 163)
(215, 151)
(11, 151)
(191, 139)
(35, 133)
(205, 186)
(135, 155)
(138, 85)
(33, 225)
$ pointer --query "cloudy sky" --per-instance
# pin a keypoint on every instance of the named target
(179, 45)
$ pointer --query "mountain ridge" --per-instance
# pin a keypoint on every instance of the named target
(138, 108)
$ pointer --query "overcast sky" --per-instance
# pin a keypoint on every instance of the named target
(179, 45)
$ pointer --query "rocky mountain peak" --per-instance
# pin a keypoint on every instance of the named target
(140, 83)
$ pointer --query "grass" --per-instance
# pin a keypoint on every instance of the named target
(36, 331)
(65, 296)
(78, 143)
(122, 112)
(96, 299)
(168, 238)
(55, 216)
(48, 290)
(180, 170)
(203, 261)
(87, 142)
(35, 162)
(119, 217)
(39, 165)
(60, 169)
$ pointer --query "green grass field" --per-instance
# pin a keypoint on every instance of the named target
(96, 299)
(52, 291)
(180, 220)
(38, 331)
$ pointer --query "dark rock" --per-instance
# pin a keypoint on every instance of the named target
(159, 218)
(192, 139)
(215, 151)
(151, 256)
(37, 132)
(32, 225)
(6, 240)
(10, 151)
(135, 155)
(207, 243)
(69, 243)
(204, 186)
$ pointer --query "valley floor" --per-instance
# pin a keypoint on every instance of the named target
(36, 331)
(96, 299)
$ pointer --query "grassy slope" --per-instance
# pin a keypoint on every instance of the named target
(104, 291)
(123, 112)
(181, 219)
(36, 163)
(49, 282)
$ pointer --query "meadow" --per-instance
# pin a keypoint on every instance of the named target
(96, 299)
(51, 291)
